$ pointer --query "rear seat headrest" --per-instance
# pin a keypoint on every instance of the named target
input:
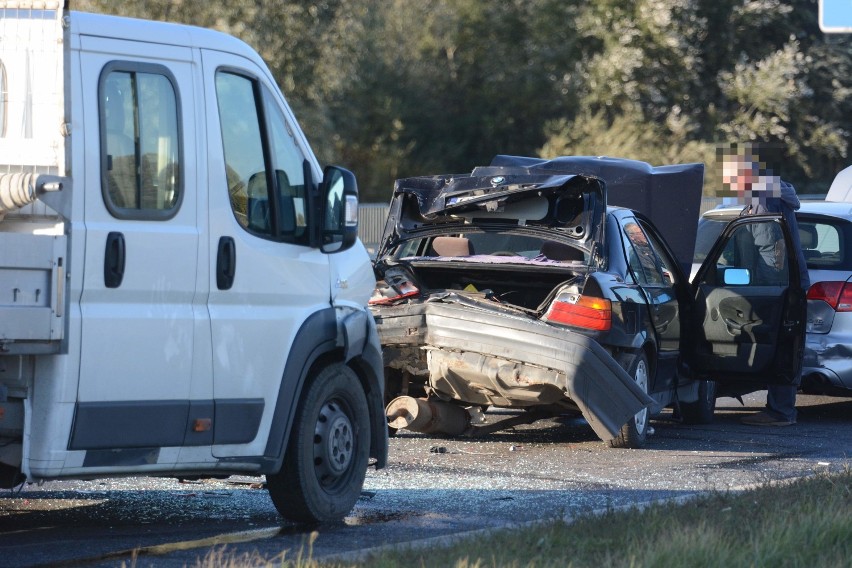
(559, 251)
(451, 246)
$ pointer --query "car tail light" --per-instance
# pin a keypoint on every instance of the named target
(388, 293)
(838, 295)
(581, 311)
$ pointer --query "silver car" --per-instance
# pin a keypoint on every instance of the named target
(825, 231)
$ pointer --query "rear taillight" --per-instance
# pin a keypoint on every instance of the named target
(838, 295)
(581, 311)
(386, 293)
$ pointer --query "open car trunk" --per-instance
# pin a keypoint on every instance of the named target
(474, 336)
(505, 284)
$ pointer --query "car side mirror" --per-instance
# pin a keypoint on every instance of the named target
(339, 201)
(736, 277)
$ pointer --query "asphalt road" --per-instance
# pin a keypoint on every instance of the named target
(433, 490)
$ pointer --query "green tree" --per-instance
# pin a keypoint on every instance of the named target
(684, 76)
(443, 86)
(394, 88)
(288, 35)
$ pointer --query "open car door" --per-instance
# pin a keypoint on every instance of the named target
(749, 308)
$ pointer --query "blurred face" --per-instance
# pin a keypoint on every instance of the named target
(635, 234)
(738, 173)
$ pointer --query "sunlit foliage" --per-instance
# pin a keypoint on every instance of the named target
(393, 88)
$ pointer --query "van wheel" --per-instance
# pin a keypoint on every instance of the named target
(701, 411)
(326, 460)
(633, 433)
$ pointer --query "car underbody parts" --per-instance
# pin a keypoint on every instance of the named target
(427, 416)
(432, 416)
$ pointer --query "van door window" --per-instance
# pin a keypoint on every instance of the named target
(140, 141)
(288, 160)
(263, 162)
(245, 167)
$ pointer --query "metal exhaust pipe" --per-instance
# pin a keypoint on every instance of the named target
(427, 416)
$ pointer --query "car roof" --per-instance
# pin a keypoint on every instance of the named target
(833, 208)
(841, 187)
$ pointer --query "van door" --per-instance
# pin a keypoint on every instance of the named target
(266, 280)
(142, 308)
(749, 309)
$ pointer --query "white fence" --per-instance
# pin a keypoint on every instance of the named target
(371, 223)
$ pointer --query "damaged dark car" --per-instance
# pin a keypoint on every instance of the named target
(537, 285)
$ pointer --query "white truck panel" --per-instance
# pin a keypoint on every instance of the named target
(31, 69)
(32, 289)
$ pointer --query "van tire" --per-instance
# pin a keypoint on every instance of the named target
(326, 460)
(634, 432)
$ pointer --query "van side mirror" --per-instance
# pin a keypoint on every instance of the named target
(339, 201)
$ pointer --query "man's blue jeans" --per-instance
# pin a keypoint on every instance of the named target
(781, 401)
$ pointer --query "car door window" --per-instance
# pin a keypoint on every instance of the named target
(643, 260)
(666, 262)
(758, 248)
(824, 245)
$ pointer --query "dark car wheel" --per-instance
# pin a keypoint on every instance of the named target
(632, 434)
(701, 411)
(326, 460)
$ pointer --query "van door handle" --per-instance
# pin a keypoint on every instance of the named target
(114, 258)
(226, 263)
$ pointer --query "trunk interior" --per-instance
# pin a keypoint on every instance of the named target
(517, 286)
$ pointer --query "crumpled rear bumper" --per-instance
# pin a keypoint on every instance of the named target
(828, 350)
(827, 366)
(495, 350)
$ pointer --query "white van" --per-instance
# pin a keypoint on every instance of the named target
(182, 290)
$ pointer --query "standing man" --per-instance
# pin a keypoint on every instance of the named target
(763, 192)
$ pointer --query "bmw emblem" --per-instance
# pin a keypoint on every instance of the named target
(498, 180)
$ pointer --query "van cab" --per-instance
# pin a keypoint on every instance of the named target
(182, 290)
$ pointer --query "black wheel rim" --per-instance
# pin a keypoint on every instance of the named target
(334, 444)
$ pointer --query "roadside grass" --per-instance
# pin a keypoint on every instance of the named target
(807, 522)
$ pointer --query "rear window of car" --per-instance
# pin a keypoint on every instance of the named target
(826, 243)
(513, 247)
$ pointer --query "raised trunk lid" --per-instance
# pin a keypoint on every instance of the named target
(566, 195)
(572, 206)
